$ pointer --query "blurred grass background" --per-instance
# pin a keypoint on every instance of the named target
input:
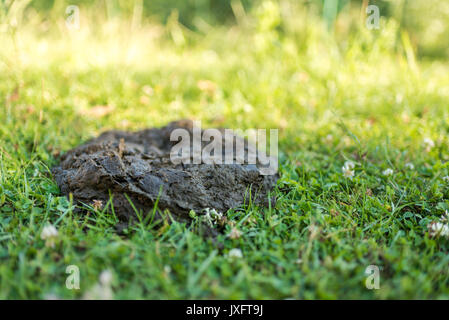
(211, 59)
(425, 21)
(336, 90)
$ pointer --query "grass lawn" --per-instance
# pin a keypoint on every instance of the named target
(350, 94)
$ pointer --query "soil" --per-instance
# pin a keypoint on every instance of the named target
(136, 167)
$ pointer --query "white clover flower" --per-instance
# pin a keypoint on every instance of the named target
(235, 253)
(49, 234)
(409, 166)
(388, 172)
(97, 205)
(347, 169)
(235, 233)
(347, 173)
(428, 144)
(167, 269)
(102, 290)
(212, 216)
(105, 277)
(438, 229)
(349, 164)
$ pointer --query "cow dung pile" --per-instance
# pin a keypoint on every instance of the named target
(136, 170)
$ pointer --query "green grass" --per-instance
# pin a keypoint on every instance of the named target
(356, 95)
